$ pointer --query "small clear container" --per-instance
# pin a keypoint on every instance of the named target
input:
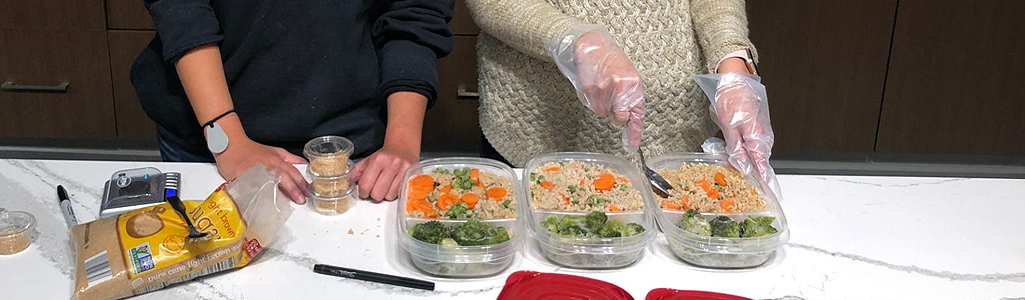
(334, 186)
(15, 231)
(719, 252)
(461, 261)
(333, 205)
(328, 155)
(592, 253)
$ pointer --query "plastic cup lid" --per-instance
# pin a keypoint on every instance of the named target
(327, 145)
(536, 285)
(15, 222)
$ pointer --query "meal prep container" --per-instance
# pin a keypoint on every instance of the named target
(328, 155)
(592, 253)
(15, 231)
(719, 252)
(461, 261)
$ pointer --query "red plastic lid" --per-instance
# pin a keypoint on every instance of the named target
(671, 294)
(530, 285)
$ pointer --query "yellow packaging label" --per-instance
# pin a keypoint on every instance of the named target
(154, 238)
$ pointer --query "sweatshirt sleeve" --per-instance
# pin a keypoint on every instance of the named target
(524, 25)
(410, 36)
(721, 28)
(183, 25)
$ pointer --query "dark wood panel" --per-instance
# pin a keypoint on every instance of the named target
(128, 14)
(44, 57)
(823, 63)
(52, 14)
(132, 121)
(451, 125)
(956, 79)
(462, 23)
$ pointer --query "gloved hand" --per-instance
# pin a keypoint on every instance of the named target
(605, 79)
(741, 109)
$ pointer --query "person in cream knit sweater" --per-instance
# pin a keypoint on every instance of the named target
(630, 63)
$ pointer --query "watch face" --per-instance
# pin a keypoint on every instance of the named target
(216, 139)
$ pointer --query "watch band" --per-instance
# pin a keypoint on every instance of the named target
(216, 138)
(744, 54)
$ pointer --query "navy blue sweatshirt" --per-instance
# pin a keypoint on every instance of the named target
(296, 69)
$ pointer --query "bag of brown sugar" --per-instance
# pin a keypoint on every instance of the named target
(147, 249)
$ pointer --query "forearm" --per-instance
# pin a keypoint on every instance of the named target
(721, 28)
(524, 25)
(202, 75)
(405, 120)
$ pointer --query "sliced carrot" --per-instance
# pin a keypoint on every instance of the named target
(614, 208)
(496, 193)
(470, 199)
(422, 180)
(417, 193)
(720, 179)
(553, 169)
(446, 189)
(565, 200)
(670, 205)
(480, 184)
(727, 205)
(445, 201)
(581, 184)
(685, 200)
(410, 207)
(604, 182)
(431, 214)
(547, 184)
(623, 179)
(709, 190)
(475, 175)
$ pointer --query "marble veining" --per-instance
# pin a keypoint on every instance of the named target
(991, 277)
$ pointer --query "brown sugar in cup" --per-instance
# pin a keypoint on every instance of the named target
(328, 155)
(330, 206)
(15, 229)
(334, 186)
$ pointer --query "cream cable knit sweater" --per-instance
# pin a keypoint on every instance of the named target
(528, 107)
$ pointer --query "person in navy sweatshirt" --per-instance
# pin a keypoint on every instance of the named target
(275, 74)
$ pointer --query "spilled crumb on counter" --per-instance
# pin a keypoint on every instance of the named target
(351, 232)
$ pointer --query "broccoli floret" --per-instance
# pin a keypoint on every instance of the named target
(635, 228)
(431, 232)
(594, 220)
(476, 233)
(723, 226)
(449, 242)
(614, 228)
(551, 223)
(573, 230)
(694, 223)
(757, 226)
(459, 211)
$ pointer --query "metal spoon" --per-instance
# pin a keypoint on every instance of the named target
(660, 185)
(178, 206)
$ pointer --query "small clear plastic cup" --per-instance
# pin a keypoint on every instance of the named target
(15, 231)
(333, 186)
(461, 261)
(328, 155)
(719, 252)
(333, 205)
(592, 253)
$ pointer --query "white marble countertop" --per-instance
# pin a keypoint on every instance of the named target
(851, 238)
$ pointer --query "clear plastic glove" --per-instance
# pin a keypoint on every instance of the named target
(741, 109)
(605, 79)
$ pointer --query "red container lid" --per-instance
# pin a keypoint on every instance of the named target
(671, 294)
(530, 285)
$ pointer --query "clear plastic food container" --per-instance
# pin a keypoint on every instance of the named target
(592, 253)
(333, 205)
(719, 252)
(328, 155)
(16, 231)
(461, 261)
(334, 186)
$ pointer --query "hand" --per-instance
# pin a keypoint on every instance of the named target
(605, 79)
(741, 110)
(380, 174)
(243, 153)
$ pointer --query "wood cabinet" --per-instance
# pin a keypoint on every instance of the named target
(128, 14)
(823, 64)
(55, 84)
(132, 121)
(52, 14)
(955, 82)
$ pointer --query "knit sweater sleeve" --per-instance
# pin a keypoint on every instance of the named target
(721, 28)
(524, 25)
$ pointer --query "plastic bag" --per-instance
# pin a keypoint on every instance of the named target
(146, 249)
(740, 106)
(605, 79)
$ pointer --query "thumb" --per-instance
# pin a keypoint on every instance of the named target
(634, 127)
